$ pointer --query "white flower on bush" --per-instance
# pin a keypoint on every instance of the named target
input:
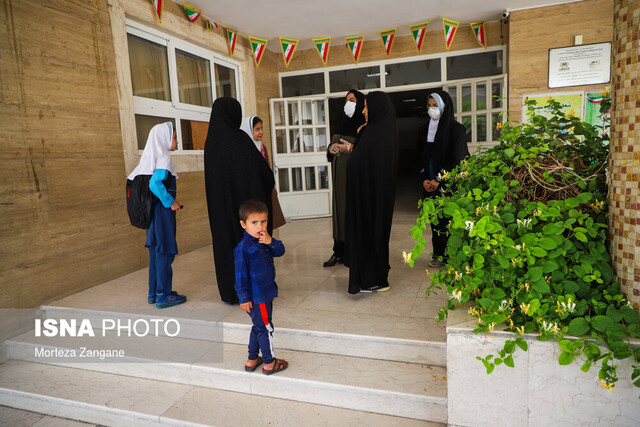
(469, 225)
(523, 223)
(569, 306)
(457, 295)
(504, 305)
(550, 327)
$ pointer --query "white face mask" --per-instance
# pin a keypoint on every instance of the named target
(434, 113)
(349, 108)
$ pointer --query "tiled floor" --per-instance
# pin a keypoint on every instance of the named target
(310, 296)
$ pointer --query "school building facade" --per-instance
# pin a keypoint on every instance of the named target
(81, 86)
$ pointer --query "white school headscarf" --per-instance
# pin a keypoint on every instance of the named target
(156, 154)
(433, 124)
(247, 127)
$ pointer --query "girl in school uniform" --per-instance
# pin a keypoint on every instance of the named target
(161, 234)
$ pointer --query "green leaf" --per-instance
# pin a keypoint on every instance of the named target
(539, 252)
(509, 346)
(573, 202)
(584, 197)
(547, 243)
(509, 152)
(586, 366)
(549, 265)
(541, 286)
(629, 315)
(509, 361)
(566, 358)
(485, 302)
(578, 327)
(522, 343)
(601, 323)
(581, 237)
(508, 218)
(614, 314)
(535, 273)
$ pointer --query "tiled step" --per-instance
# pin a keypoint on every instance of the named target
(109, 399)
(336, 338)
(387, 387)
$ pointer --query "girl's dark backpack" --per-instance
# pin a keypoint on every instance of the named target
(140, 201)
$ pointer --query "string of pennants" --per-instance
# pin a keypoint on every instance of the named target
(354, 44)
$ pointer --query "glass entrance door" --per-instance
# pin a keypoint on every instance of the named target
(300, 134)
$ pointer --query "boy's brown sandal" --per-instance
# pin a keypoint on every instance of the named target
(279, 365)
(254, 367)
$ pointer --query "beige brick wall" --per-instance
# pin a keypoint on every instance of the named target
(533, 32)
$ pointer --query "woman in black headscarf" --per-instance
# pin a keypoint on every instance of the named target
(338, 153)
(234, 172)
(371, 188)
(444, 145)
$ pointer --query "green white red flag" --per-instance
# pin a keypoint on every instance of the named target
(418, 32)
(322, 45)
(157, 6)
(232, 36)
(258, 46)
(450, 28)
(288, 47)
(211, 24)
(354, 44)
(479, 31)
(192, 13)
(387, 37)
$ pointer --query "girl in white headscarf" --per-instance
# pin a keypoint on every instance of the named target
(252, 126)
(161, 234)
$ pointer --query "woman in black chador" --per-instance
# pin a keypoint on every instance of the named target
(371, 189)
(338, 152)
(234, 172)
(443, 144)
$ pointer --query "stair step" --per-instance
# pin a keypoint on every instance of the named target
(233, 327)
(110, 399)
(393, 388)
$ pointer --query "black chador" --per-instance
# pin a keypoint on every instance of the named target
(371, 188)
(234, 172)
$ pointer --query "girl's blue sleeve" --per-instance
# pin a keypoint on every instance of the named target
(157, 187)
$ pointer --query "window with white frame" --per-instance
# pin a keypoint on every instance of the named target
(177, 81)
(478, 106)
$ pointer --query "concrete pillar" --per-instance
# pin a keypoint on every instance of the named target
(624, 167)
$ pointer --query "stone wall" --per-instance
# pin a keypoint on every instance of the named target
(624, 197)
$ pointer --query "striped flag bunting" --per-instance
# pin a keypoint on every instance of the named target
(354, 44)
(192, 13)
(322, 45)
(387, 38)
(211, 24)
(418, 32)
(157, 6)
(95, 2)
(258, 47)
(288, 47)
(450, 28)
(232, 36)
(478, 31)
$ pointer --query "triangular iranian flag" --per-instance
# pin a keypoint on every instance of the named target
(354, 44)
(192, 13)
(418, 32)
(232, 36)
(288, 47)
(478, 31)
(387, 38)
(211, 24)
(450, 28)
(157, 6)
(323, 48)
(258, 47)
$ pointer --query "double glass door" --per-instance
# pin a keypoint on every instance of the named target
(300, 134)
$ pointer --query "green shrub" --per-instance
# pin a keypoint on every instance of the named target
(528, 243)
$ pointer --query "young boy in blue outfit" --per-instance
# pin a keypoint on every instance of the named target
(255, 284)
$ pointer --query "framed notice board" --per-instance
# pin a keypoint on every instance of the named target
(588, 64)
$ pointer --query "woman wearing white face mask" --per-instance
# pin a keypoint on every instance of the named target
(342, 144)
(443, 146)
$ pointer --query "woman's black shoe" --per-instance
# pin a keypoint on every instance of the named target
(332, 261)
